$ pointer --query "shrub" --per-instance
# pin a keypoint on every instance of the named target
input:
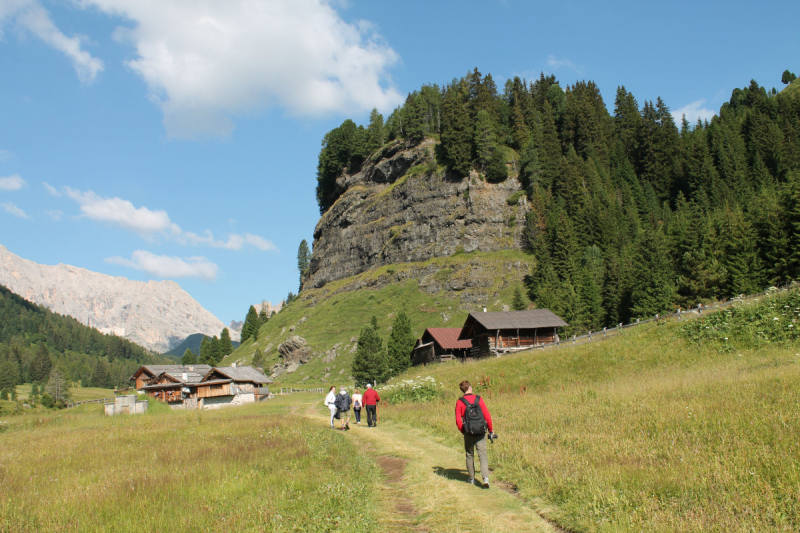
(514, 198)
(47, 401)
(417, 390)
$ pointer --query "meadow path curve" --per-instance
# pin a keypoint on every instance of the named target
(425, 485)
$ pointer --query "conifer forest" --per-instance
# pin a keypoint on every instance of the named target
(631, 213)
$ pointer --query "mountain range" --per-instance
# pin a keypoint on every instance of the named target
(157, 315)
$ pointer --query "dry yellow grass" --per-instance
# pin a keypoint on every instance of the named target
(240, 469)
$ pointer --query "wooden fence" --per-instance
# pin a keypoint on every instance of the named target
(292, 390)
(98, 400)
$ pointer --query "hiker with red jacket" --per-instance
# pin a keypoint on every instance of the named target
(473, 419)
(370, 402)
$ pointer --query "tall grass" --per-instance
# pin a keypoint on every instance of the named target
(647, 431)
(242, 469)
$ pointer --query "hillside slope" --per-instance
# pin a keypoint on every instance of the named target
(657, 429)
(439, 292)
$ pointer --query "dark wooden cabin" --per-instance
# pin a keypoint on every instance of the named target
(504, 332)
(440, 344)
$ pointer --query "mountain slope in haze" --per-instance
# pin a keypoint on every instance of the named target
(192, 342)
(155, 314)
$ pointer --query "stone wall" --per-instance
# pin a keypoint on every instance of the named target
(218, 402)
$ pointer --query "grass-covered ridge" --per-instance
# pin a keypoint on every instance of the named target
(335, 313)
(647, 431)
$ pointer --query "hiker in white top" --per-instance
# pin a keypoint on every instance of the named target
(330, 401)
(358, 402)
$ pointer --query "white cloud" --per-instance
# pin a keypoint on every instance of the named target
(693, 111)
(11, 183)
(163, 266)
(52, 190)
(234, 241)
(31, 16)
(205, 62)
(5, 155)
(149, 223)
(55, 214)
(122, 213)
(12, 209)
(556, 63)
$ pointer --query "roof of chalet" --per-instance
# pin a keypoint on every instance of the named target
(181, 385)
(240, 373)
(528, 319)
(447, 338)
(172, 370)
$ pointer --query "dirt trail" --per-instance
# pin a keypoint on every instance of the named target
(426, 489)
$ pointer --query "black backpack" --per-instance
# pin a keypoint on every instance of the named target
(474, 422)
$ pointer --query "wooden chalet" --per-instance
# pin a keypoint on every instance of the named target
(504, 332)
(440, 344)
(201, 386)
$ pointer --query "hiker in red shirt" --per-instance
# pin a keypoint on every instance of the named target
(473, 419)
(371, 400)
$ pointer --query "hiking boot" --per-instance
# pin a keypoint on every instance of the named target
(486, 482)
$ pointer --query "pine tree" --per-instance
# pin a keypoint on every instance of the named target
(497, 171)
(41, 364)
(518, 303)
(188, 358)
(370, 362)
(457, 131)
(376, 135)
(259, 360)
(100, 376)
(484, 138)
(251, 324)
(303, 260)
(401, 343)
(225, 345)
(215, 351)
(206, 355)
(57, 386)
(654, 290)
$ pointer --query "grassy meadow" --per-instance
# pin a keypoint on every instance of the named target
(335, 313)
(647, 431)
(250, 468)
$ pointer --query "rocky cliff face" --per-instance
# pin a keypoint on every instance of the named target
(155, 314)
(400, 208)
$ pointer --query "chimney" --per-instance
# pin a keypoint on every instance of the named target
(233, 365)
(191, 369)
(484, 308)
(185, 377)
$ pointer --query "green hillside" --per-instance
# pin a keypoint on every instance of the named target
(676, 427)
(336, 313)
(34, 340)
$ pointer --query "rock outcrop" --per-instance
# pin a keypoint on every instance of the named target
(400, 208)
(295, 352)
(155, 314)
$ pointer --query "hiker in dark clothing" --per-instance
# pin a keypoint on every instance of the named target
(473, 419)
(343, 406)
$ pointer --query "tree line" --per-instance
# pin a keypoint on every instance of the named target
(35, 342)
(631, 214)
(212, 350)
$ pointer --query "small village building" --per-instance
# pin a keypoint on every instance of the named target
(440, 344)
(201, 386)
(504, 332)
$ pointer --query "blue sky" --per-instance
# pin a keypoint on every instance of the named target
(176, 139)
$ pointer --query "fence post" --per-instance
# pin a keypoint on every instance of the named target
(573, 339)
(604, 332)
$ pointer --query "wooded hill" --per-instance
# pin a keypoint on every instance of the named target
(630, 213)
(33, 340)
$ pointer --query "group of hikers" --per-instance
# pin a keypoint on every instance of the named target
(472, 419)
(339, 405)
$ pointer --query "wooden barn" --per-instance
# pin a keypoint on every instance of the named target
(440, 344)
(504, 332)
(201, 386)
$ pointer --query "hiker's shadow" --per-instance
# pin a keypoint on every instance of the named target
(459, 474)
